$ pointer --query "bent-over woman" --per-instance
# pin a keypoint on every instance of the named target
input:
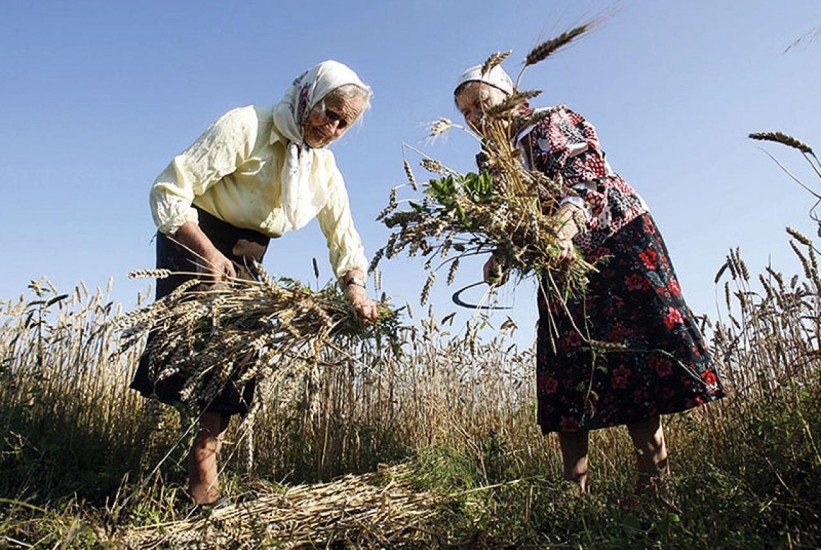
(256, 174)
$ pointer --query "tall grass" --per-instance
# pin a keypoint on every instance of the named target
(460, 407)
(87, 462)
(69, 422)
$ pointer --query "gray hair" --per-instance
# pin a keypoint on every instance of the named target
(352, 91)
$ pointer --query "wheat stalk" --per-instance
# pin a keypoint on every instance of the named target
(511, 102)
(784, 139)
(550, 46)
(212, 333)
(495, 59)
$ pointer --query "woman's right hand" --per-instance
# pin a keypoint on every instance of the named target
(210, 260)
(566, 229)
(217, 265)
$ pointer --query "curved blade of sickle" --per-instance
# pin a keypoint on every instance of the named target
(458, 300)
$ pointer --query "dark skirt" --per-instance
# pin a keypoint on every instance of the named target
(243, 247)
(660, 365)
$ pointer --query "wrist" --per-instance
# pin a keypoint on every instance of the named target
(354, 281)
(571, 221)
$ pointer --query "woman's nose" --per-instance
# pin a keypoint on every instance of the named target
(475, 117)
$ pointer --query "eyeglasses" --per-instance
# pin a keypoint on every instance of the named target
(333, 116)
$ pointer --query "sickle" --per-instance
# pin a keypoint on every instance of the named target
(458, 300)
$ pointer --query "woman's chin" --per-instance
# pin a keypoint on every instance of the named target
(316, 142)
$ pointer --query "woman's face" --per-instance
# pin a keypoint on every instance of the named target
(330, 118)
(474, 99)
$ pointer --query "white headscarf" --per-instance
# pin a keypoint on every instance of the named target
(496, 77)
(307, 170)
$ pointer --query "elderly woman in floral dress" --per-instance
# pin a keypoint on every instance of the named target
(634, 300)
(255, 174)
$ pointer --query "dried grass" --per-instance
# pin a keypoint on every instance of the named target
(245, 331)
(375, 510)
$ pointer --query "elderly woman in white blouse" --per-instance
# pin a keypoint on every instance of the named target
(256, 174)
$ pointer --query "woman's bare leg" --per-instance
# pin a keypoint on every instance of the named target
(651, 452)
(574, 447)
(202, 458)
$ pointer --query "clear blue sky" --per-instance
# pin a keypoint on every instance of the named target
(98, 96)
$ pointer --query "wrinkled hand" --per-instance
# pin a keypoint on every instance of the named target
(358, 298)
(210, 260)
(217, 266)
(493, 272)
(567, 252)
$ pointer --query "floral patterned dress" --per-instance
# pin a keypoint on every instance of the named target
(657, 362)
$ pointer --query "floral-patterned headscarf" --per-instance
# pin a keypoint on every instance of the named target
(307, 170)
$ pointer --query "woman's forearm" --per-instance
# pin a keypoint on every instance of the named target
(211, 260)
(192, 237)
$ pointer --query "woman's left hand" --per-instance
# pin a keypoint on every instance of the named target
(358, 298)
(567, 252)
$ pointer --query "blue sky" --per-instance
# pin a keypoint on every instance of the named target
(98, 96)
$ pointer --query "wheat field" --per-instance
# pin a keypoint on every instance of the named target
(428, 443)
(435, 446)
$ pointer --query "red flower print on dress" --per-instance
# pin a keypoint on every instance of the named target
(636, 282)
(573, 340)
(618, 333)
(621, 377)
(709, 378)
(672, 318)
(649, 258)
(550, 385)
(662, 365)
(674, 288)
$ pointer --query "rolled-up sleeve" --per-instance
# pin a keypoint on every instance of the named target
(216, 153)
(345, 250)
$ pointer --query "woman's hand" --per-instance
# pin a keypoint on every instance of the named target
(493, 272)
(217, 265)
(567, 252)
(212, 261)
(566, 228)
(358, 298)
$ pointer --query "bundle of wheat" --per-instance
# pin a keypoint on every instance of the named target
(246, 330)
(505, 209)
(379, 509)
